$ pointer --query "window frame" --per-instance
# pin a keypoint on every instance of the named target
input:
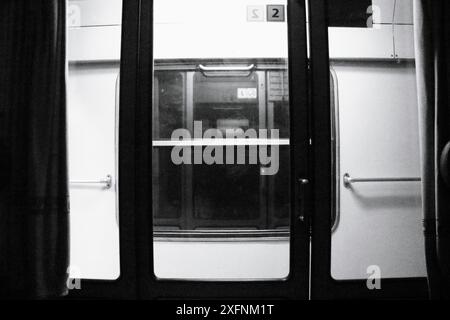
(258, 227)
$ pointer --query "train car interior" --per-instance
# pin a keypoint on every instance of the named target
(252, 149)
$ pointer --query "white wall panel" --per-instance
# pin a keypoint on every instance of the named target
(393, 11)
(94, 43)
(361, 43)
(221, 260)
(404, 12)
(224, 32)
(83, 13)
(404, 41)
(94, 232)
(383, 11)
(380, 223)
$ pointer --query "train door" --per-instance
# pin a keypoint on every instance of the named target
(367, 240)
(93, 53)
(219, 126)
(231, 159)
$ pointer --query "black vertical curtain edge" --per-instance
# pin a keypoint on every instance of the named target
(36, 190)
(425, 82)
(432, 34)
(442, 71)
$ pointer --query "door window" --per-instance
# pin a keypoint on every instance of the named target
(221, 148)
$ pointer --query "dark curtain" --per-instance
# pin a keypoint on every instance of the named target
(33, 170)
(432, 41)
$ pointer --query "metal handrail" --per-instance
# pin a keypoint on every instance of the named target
(226, 68)
(107, 182)
(348, 180)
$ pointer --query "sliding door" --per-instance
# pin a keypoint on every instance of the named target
(368, 239)
(222, 135)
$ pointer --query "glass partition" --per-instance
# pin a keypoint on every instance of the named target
(221, 160)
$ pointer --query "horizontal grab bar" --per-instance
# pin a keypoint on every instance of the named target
(348, 180)
(225, 69)
(107, 182)
(221, 142)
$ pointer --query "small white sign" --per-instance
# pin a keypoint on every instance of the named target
(74, 15)
(247, 93)
(255, 13)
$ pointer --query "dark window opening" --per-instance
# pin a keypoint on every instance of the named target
(228, 199)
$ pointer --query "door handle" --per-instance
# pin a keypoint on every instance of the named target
(229, 71)
(349, 180)
(226, 68)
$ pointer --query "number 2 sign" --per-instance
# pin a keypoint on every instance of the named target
(275, 13)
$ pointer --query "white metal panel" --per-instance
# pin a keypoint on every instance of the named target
(82, 13)
(393, 11)
(404, 41)
(94, 232)
(250, 39)
(361, 43)
(383, 11)
(380, 223)
(224, 32)
(404, 12)
(94, 43)
(221, 260)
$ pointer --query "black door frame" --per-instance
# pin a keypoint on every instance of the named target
(125, 287)
(296, 286)
(323, 285)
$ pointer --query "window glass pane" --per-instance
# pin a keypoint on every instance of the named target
(242, 186)
(221, 155)
(280, 205)
(170, 95)
(167, 190)
(217, 103)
